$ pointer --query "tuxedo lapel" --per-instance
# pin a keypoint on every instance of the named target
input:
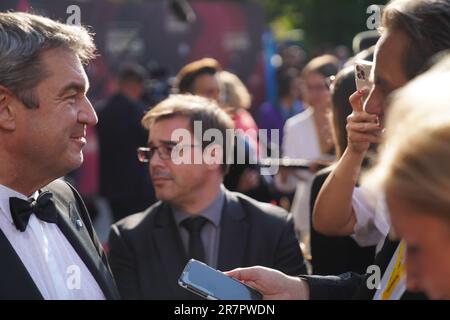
(233, 234)
(73, 228)
(170, 248)
(16, 282)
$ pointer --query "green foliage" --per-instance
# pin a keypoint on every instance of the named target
(325, 23)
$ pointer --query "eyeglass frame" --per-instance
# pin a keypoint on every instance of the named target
(147, 150)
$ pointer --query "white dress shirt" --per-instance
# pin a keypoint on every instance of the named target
(52, 262)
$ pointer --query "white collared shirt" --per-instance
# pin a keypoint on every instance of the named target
(52, 262)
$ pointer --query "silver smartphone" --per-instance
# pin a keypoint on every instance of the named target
(212, 284)
(363, 69)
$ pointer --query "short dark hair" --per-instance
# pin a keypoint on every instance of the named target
(343, 86)
(188, 74)
(132, 72)
(195, 108)
(285, 77)
(326, 65)
(427, 24)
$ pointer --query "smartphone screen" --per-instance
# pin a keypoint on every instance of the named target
(214, 285)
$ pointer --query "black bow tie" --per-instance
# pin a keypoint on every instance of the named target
(44, 208)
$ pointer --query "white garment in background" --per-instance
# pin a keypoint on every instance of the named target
(48, 256)
(302, 142)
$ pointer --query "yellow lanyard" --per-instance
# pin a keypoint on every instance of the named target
(396, 275)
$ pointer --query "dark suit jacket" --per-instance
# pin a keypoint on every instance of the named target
(147, 255)
(15, 281)
(335, 255)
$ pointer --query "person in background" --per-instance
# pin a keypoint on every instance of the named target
(199, 78)
(237, 101)
(243, 177)
(273, 115)
(123, 180)
(202, 78)
(196, 217)
(308, 136)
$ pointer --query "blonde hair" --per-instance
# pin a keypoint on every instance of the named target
(414, 163)
(234, 93)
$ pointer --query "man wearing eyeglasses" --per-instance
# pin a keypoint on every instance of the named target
(196, 216)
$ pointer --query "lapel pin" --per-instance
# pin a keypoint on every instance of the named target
(79, 224)
(73, 214)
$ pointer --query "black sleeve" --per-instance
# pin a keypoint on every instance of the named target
(123, 266)
(338, 287)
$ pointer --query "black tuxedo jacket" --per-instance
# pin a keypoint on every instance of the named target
(15, 281)
(147, 255)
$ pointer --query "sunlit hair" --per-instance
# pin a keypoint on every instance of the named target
(427, 25)
(414, 164)
(234, 93)
(23, 39)
(326, 65)
(185, 79)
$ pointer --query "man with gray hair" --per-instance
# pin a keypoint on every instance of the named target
(48, 246)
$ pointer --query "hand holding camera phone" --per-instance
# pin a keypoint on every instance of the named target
(363, 69)
(212, 284)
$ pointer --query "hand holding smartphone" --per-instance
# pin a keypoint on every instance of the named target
(363, 69)
(212, 284)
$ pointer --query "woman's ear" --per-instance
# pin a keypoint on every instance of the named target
(7, 111)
